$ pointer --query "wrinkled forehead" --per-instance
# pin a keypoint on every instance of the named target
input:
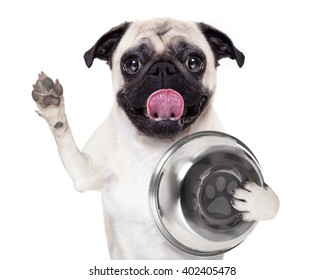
(161, 34)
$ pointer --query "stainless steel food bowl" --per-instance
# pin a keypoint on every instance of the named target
(191, 188)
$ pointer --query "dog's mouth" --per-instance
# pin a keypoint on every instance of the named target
(165, 114)
(165, 104)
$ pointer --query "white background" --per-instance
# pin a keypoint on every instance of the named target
(274, 104)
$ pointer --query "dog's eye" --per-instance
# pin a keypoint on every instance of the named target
(131, 65)
(194, 63)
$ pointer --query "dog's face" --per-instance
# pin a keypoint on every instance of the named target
(164, 71)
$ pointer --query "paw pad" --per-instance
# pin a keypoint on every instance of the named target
(215, 196)
(217, 193)
(46, 92)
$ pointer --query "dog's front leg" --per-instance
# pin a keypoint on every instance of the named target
(50, 102)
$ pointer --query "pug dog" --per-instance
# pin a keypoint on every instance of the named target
(164, 78)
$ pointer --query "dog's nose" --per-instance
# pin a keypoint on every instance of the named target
(161, 69)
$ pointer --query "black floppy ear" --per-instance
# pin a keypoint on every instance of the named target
(106, 45)
(221, 44)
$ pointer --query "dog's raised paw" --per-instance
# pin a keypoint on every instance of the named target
(46, 92)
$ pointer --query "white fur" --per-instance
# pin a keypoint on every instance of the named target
(118, 161)
(256, 203)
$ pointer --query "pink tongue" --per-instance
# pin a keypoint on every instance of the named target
(165, 104)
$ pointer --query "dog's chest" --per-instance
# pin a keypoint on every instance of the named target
(135, 168)
(128, 221)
